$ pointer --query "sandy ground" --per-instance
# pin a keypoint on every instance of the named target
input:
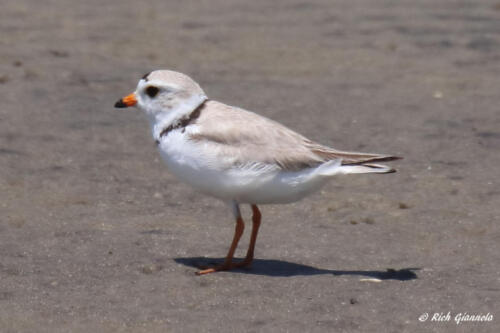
(97, 236)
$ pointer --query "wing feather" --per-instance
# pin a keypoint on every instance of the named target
(248, 139)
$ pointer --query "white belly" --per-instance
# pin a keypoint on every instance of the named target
(255, 184)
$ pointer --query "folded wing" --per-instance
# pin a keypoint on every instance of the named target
(240, 137)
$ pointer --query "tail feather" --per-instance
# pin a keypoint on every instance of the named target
(335, 167)
(381, 158)
(366, 168)
(352, 158)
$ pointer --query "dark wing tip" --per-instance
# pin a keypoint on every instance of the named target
(373, 159)
(386, 159)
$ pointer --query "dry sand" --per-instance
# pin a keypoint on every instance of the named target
(97, 236)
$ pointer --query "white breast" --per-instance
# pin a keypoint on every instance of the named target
(193, 164)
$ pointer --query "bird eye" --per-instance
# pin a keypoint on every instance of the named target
(152, 91)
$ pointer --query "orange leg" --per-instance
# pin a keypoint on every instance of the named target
(256, 218)
(240, 226)
(228, 263)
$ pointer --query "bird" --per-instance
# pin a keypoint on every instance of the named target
(236, 155)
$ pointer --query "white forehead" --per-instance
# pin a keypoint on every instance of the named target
(171, 79)
(159, 83)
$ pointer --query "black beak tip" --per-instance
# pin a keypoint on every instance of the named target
(120, 104)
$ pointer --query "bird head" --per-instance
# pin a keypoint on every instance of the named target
(162, 91)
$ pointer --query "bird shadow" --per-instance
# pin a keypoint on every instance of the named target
(283, 268)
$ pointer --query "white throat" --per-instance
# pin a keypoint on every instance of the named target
(162, 120)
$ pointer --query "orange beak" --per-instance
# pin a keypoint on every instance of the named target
(127, 101)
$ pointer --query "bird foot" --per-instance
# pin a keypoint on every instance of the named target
(225, 267)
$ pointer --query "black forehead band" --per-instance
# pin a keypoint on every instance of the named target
(145, 77)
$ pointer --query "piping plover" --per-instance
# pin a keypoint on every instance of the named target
(236, 155)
